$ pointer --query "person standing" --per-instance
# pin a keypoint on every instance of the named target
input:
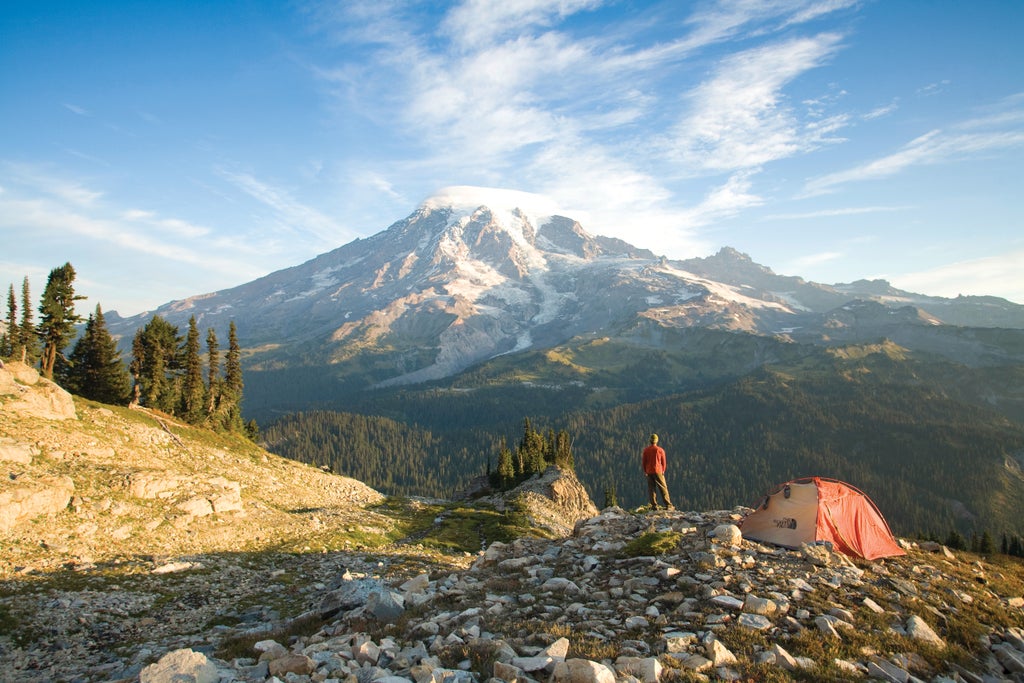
(653, 461)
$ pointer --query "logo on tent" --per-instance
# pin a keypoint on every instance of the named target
(785, 523)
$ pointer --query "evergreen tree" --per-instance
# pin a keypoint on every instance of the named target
(986, 546)
(12, 332)
(193, 392)
(28, 352)
(506, 467)
(956, 541)
(156, 365)
(57, 316)
(231, 395)
(563, 451)
(530, 451)
(549, 446)
(96, 370)
(610, 497)
(212, 373)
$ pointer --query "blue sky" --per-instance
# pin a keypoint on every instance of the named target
(168, 149)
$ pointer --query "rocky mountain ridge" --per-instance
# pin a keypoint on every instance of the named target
(182, 555)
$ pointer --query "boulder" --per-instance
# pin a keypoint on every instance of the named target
(42, 399)
(181, 666)
(26, 374)
(351, 594)
(155, 484)
(763, 606)
(728, 534)
(817, 554)
(292, 663)
(45, 496)
(645, 669)
(12, 450)
(196, 507)
(385, 605)
(718, 653)
(554, 500)
(582, 671)
(918, 629)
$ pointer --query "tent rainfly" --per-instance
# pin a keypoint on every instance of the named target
(820, 509)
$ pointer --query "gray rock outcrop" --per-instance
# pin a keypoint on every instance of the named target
(33, 395)
(554, 500)
(30, 499)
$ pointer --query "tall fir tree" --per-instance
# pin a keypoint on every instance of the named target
(611, 498)
(12, 331)
(563, 451)
(530, 451)
(213, 381)
(57, 317)
(193, 392)
(234, 386)
(28, 352)
(506, 467)
(96, 370)
(156, 365)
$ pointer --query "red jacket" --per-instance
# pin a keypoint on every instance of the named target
(654, 459)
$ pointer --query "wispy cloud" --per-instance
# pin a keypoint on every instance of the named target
(288, 212)
(739, 118)
(975, 276)
(934, 147)
(57, 212)
(880, 112)
(70, 191)
(51, 212)
(933, 88)
(812, 260)
(832, 213)
(483, 22)
(75, 109)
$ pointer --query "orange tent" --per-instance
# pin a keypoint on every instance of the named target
(820, 509)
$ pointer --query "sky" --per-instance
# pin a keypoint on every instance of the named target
(173, 148)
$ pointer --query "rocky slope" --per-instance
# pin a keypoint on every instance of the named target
(179, 555)
(111, 480)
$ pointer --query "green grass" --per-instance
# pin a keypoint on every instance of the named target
(242, 646)
(653, 543)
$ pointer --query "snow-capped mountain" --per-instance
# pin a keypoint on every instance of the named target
(475, 273)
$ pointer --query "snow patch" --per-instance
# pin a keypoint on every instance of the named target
(465, 199)
(723, 291)
(791, 301)
(320, 281)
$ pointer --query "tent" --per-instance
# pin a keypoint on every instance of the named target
(820, 509)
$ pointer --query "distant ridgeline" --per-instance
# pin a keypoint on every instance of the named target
(931, 461)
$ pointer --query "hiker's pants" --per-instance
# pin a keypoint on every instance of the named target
(656, 484)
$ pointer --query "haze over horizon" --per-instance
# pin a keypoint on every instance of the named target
(171, 150)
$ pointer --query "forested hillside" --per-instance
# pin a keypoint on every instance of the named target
(933, 462)
(396, 458)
